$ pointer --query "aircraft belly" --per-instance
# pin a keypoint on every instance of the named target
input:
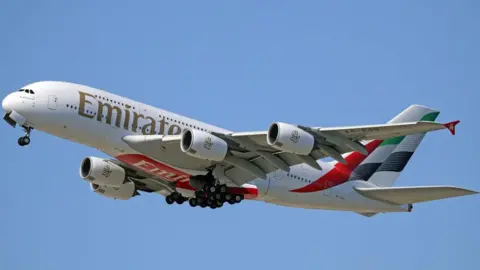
(341, 198)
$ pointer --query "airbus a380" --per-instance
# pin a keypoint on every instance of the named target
(154, 150)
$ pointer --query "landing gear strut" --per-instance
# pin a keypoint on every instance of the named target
(25, 140)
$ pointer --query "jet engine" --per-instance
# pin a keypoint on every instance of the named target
(102, 172)
(203, 145)
(289, 138)
(124, 192)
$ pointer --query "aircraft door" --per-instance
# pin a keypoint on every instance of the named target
(274, 181)
(52, 102)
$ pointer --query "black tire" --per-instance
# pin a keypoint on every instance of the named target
(238, 198)
(169, 199)
(193, 202)
(219, 204)
(175, 196)
(180, 200)
(20, 141)
(223, 189)
(231, 201)
(212, 189)
(218, 196)
(213, 206)
(228, 197)
(26, 140)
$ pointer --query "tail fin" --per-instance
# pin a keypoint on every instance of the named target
(404, 147)
(385, 157)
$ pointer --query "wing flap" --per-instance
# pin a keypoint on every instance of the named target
(406, 195)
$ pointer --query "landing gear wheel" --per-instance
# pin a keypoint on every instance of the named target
(218, 196)
(231, 201)
(193, 202)
(176, 195)
(238, 198)
(228, 197)
(26, 140)
(219, 204)
(223, 189)
(213, 206)
(212, 189)
(180, 200)
(169, 199)
(22, 141)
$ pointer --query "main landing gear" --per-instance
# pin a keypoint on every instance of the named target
(25, 140)
(175, 197)
(214, 196)
(210, 196)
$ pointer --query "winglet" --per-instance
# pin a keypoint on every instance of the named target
(451, 126)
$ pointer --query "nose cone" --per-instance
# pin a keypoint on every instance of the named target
(6, 103)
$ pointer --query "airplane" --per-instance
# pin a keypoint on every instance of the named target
(151, 150)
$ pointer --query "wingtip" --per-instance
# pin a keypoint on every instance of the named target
(451, 126)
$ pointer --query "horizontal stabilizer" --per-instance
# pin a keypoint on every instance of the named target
(406, 195)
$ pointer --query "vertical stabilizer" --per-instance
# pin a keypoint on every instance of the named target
(383, 153)
(402, 148)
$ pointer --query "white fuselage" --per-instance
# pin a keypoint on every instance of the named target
(100, 119)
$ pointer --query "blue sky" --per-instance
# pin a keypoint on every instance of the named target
(242, 65)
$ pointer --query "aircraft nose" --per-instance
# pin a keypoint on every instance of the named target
(6, 103)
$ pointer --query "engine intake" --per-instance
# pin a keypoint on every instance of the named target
(123, 192)
(289, 138)
(203, 145)
(102, 172)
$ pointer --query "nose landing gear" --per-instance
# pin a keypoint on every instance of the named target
(25, 140)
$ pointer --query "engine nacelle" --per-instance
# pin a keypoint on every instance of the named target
(102, 172)
(203, 145)
(289, 138)
(124, 192)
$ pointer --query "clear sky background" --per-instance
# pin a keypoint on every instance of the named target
(242, 65)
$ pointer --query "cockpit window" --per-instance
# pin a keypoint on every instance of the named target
(28, 91)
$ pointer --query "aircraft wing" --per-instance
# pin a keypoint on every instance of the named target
(252, 155)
